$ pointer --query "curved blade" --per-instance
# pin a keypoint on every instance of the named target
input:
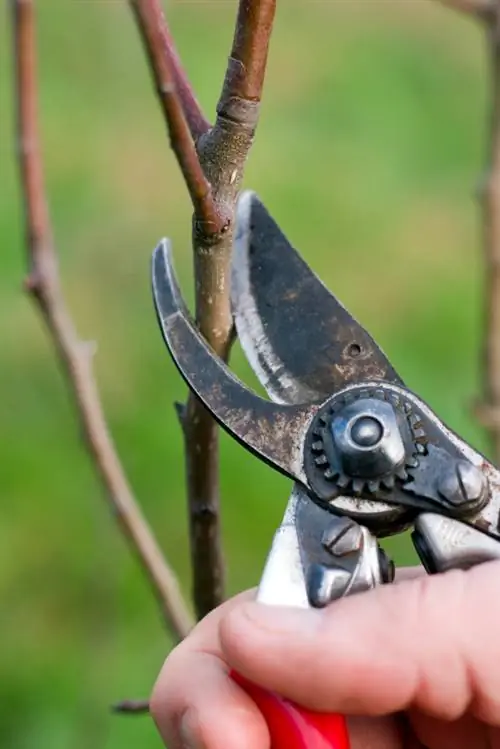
(274, 432)
(301, 342)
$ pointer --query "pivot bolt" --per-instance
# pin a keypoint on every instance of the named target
(367, 439)
(367, 431)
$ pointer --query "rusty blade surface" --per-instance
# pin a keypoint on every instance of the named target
(300, 340)
(272, 431)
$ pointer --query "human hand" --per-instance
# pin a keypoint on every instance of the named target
(414, 665)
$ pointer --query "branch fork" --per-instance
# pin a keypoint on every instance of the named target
(212, 160)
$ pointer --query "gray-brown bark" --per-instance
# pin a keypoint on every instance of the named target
(221, 152)
(489, 412)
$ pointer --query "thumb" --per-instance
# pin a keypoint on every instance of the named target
(431, 643)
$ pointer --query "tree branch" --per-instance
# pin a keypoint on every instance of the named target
(76, 356)
(222, 152)
(131, 707)
(246, 68)
(182, 114)
(163, 59)
(489, 411)
(481, 9)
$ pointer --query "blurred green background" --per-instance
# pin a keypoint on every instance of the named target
(368, 153)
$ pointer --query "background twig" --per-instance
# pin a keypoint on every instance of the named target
(490, 411)
(43, 284)
(482, 9)
(131, 707)
(222, 151)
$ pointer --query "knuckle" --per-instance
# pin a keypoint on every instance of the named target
(440, 609)
(435, 601)
(165, 688)
(422, 600)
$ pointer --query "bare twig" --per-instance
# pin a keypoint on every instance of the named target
(131, 707)
(164, 61)
(491, 224)
(180, 109)
(246, 69)
(222, 152)
(76, 356)
(481, 9)
(488, 412)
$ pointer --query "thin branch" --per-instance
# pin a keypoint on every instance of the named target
(221, 154)
(491, 239)
(131, 707)
(163, 57)
(75, 355)
(481, 9)
(246, 68)
(180, 109)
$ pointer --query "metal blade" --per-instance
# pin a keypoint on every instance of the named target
(300, 340)
(272, 431)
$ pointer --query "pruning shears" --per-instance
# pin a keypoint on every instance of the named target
(368, 457)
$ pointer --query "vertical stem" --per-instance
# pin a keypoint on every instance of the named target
(37, 221)
(213, 316)
(213, 173)
(75, 355)
(491, 239)
(223, 152)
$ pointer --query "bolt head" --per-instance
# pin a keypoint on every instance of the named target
(366, 431)
(463, 483)
(342, 537)
(367, 439)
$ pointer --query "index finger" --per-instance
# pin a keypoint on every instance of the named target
(195, 703)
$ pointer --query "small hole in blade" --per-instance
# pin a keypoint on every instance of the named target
(354, 350)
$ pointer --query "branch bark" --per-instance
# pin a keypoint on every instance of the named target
(131, 707)
(182, 114)
(487, 412)
(490, 410)
(222, 151)
(165, 63)
(481, 9)
(43, 284)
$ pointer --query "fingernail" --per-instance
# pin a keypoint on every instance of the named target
(189, 731)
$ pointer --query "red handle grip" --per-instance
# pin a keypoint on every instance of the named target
(294, 727)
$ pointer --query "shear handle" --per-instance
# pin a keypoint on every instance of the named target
(284, 582)
(293, 727)
(445, 544)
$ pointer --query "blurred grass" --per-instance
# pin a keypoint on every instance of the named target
(368, 152)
